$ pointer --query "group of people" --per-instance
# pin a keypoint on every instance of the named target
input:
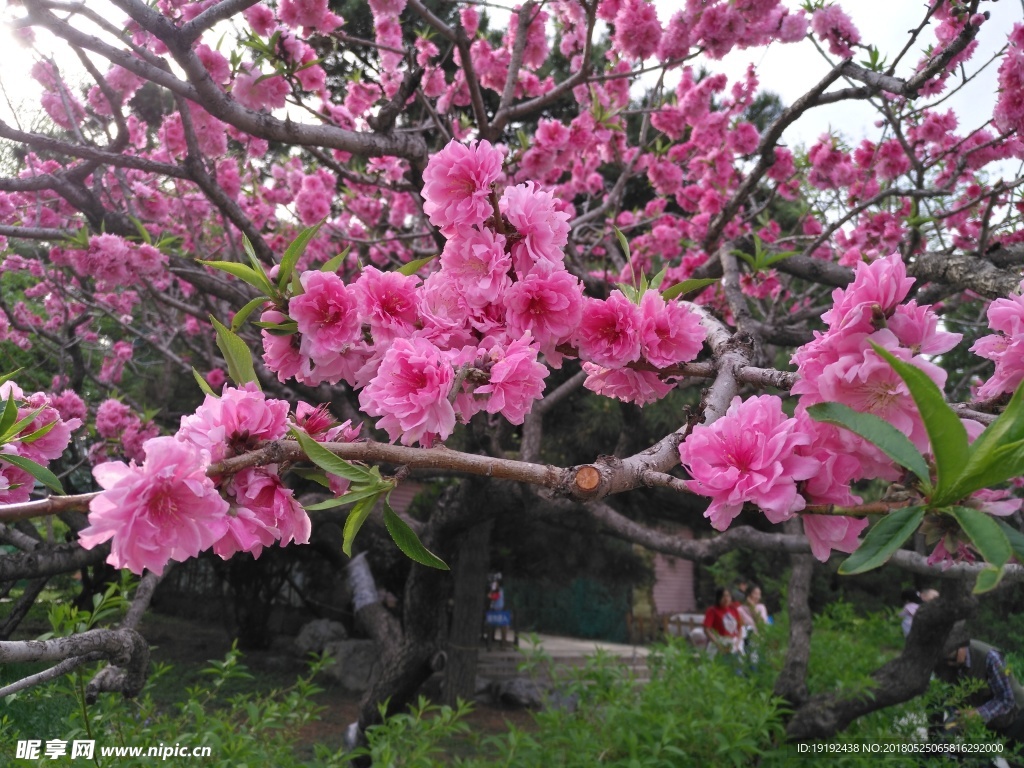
(734, 617)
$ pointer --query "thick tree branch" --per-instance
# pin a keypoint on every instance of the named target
(125, 648)
(965, 272)
(903, 678)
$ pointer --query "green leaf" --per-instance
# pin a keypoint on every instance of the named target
(143, 233)
(986, 535)
(8, 376)
(991, 457)
(1015, 537)
(257, 265)
(334, 264)
(348, 498)
(31, 437)
(327, 461)
(623, 242)
(407, 541)
(314, 475)
(243, 314)
(658, 279)
(38, 471)
(877, 431)
(15, 428)
(988, 579)
(355, 521)
(882, 540)
(415, 265)
(945, 431)
(687, 286)
(236, 354)
(257, 280)
(774, 258)
(754, 263)
(10, 415)
(203, 384)
(286, 328)
(294, 252)
(1002, 462)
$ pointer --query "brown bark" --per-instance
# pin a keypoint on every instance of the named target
(407, 651)
(791, 684)
(469, 601)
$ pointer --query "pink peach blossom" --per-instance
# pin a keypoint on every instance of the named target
(410, 393)
(112, 417)
(637, 29)
(255, 90)
(1005, 347)
(457, 185)
(515, 380)
(548, 303)
(241, 419)
(15, 483)
(828, 532)
(833, 26)
(51, 445)
(883, 283)
(387, 302)
(609, 333)
(625, 384)
(326, 314)
(542, 229)
(166, 509)
(670, 332)
(263, 511)
(476, 259)
(281, 353)
(748, 455)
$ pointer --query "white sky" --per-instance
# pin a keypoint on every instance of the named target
(792, 69)
(789, 70)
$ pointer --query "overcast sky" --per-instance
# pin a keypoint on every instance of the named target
(790, 70)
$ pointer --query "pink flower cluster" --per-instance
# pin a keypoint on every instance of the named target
(429, 353)
(42, 440)
(1005, 348)
(114, 262)
(716, 26)
(1009, 111)
(122, 430)
(833, 26)
(841, 366)
(755, 454)
(457, 185)
(167, 507)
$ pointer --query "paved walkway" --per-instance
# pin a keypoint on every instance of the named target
(499, 662)
(563, 647)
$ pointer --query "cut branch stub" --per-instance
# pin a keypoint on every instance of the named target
(587, 480)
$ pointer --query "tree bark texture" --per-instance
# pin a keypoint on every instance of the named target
(469, 602)
(791, 683)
